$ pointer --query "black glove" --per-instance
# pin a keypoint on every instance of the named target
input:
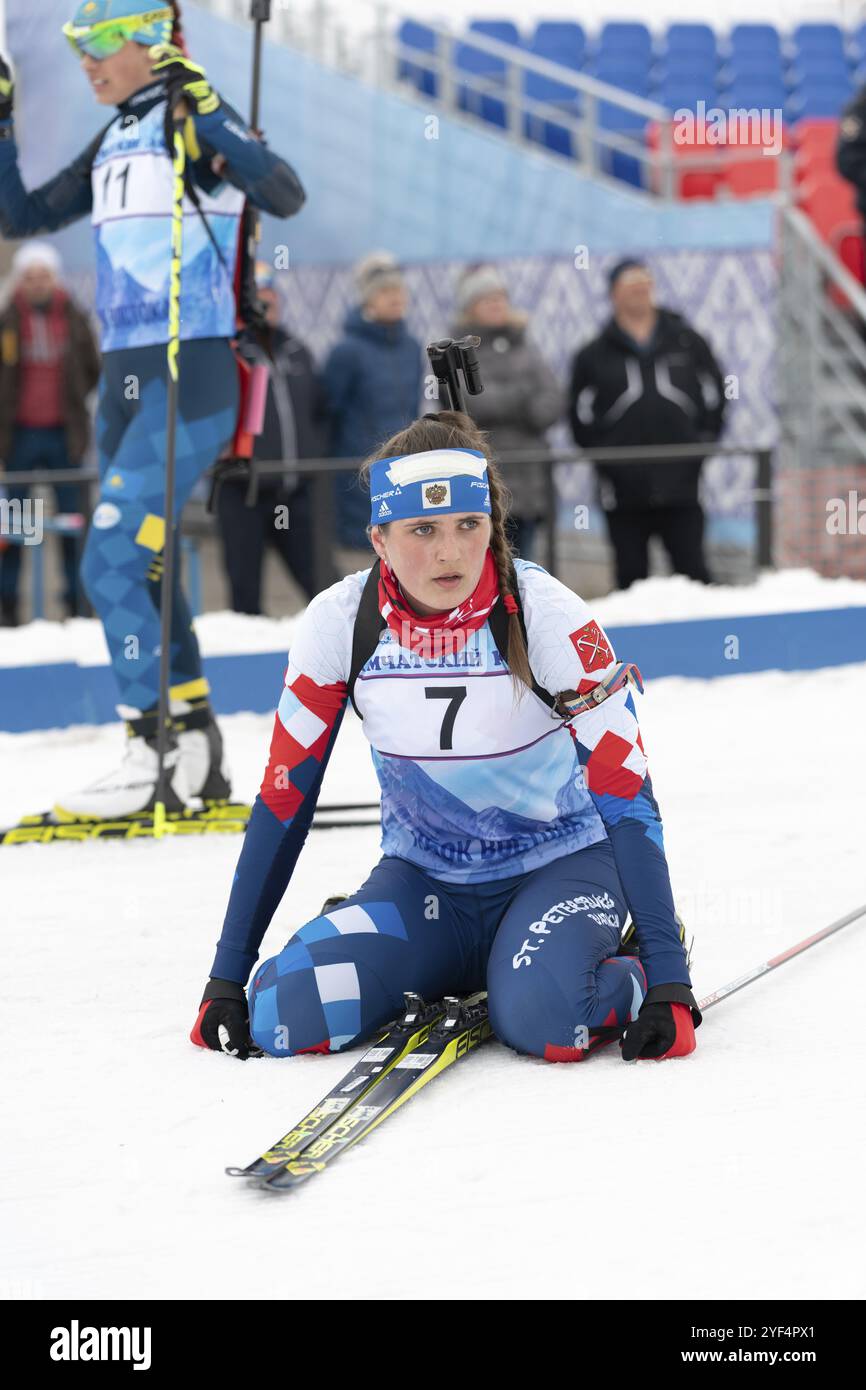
(7, 90)
(223, 1022)
(184, 78)
(660, 1030)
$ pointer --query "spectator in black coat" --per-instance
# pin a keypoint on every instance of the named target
(294, 428)
(648, 378)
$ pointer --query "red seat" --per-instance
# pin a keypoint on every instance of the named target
(819, 133)
(814, 163)
(852, 253)
(751, 177)
(698, 184)
(691, 183)
(828, 201)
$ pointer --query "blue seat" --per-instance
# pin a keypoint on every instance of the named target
(756, 94)
(631, 77)
(489, 67)
(697, 69)
(818, 67)
(748, 66)
(549, 133)
(818, 38)
(817, 99)
(540, 88)
(620, 38)
(617, 163)
(755, 38)
(415, 35)
(503, 30)
(684, 95)
(560, 42)
(613, 117)
(697, 40)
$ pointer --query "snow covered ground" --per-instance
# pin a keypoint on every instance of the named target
(734, 1173)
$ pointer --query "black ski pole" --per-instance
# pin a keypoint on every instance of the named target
(773, 964)
(160, 824)
(260, 13)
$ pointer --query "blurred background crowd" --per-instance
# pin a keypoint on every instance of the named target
(371, 383)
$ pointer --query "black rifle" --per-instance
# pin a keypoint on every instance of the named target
(450, 358)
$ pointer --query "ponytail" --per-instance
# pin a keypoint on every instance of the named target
(177, 37)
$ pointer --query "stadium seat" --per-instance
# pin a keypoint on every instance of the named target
(696, 40)
(818, 135)
(560, 42)
(696, 183)
(487, 67)
(850, 248)
(817, 99)
(619, 38)
(748, 67)
(818, 67)
(630, 76)
(550, 134)
(415, 35)
(763, 94)
(686, 96)
(693, 69)
(752, 177)
(540, 88)
(818, 38)
(503, 30)
(754, 38)
(829, 202)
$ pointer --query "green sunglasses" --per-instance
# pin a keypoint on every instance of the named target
(107, 37)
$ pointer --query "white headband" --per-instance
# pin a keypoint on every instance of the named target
(435, 463)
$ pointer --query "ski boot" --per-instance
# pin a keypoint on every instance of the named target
(201, 749)
(130, 790)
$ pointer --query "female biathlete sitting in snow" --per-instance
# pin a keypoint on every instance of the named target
(513, 841)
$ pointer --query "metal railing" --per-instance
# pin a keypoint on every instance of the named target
(362, 41)
(822, 346)
(322, 471)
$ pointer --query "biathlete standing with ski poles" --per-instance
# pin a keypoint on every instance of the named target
(518, 819)
(131, 52)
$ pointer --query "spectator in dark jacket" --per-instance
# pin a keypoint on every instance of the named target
(373, 382)
(294, 428)
(648, 378)
(49, 364)
(521, 397)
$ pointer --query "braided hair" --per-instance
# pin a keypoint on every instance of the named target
(450, 429)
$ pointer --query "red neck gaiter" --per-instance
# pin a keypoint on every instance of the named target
(438, 634)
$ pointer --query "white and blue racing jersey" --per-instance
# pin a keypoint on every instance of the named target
(124, 179)
(477, 784)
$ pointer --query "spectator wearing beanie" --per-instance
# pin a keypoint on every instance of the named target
(49, 364)
(373, 386)
(648, 378)
(521, 397)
